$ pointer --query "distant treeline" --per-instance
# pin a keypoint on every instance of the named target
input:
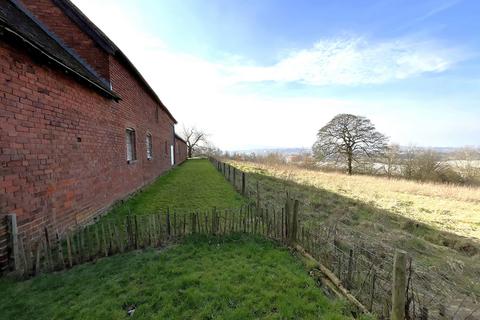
(459, 166)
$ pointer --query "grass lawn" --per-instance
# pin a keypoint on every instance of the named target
(195, 184)
(239, 277)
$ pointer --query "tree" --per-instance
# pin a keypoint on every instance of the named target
(392, 160)
(349, 138)
(194, 139)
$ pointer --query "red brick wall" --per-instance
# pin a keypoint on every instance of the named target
(57, 22)
(63, 153)
(180, 151)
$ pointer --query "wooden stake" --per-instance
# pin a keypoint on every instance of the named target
(243, 183)
(136, 235)
(23, 256)
(168, 223)
(13, 231)
(60, 251)
(399, 285)
(104, 240)
(348, 282)
(69, 250)
(37, 258)
(294, 229)
(48, 252)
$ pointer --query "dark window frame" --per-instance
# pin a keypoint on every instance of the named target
(131, 141)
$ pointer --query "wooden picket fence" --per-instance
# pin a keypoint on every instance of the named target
(110, 236)
(3, 244)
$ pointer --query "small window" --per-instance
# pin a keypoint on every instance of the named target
(130, 141)
(148, 142)
(156, 113)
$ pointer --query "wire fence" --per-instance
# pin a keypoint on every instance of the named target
(364, 264)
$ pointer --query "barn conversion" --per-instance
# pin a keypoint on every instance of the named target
(80, 128)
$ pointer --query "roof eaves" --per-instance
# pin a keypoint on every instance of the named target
(61, 43)
(56, 61)
(108, 45)
(180, 138)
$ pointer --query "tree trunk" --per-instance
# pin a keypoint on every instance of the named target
(190, 152)
(349, 164)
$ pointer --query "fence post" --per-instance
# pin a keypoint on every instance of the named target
(349, 270)
(243, 183)
(234, 177)
(258, 200)
(287, 219)
(399, 285)
(13, 239)
(294, 232)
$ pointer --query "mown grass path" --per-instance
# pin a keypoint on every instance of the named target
(194, 185)
(235, 277)
(239, 277)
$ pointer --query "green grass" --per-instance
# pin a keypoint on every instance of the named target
(239, 277)
(195, 185)
(436, 224)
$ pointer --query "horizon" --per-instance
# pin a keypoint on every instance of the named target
(238, 71)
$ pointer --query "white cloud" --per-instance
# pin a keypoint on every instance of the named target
(353, 61)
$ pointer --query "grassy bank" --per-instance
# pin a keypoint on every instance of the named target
(204, 278)
(439, 225)
(193, 185)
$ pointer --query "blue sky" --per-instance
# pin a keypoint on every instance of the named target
(270, 73)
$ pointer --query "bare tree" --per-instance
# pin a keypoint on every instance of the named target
(349, 138)
(194, 138)
(392, 160)
(467, 164)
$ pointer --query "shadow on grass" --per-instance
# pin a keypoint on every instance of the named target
(446, 256)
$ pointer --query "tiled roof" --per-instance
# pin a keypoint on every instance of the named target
(18, 24)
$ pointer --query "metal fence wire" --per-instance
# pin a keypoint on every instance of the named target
(362, 263)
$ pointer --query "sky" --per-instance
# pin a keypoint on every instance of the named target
(270, 73)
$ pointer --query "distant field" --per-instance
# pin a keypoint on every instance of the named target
(450, 208)
(194, 185)
(205, 278)
(439, 225)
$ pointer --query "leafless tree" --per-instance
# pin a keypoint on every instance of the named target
(392, 160)
(349, 138)
(467, 164)
(194, 138)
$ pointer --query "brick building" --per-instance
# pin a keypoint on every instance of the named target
(180, 150)
(80, 128)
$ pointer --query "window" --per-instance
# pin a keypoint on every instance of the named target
(148, 142)
(130, 141)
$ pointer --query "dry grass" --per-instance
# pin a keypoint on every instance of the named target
(438, 225)
(450, 208)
